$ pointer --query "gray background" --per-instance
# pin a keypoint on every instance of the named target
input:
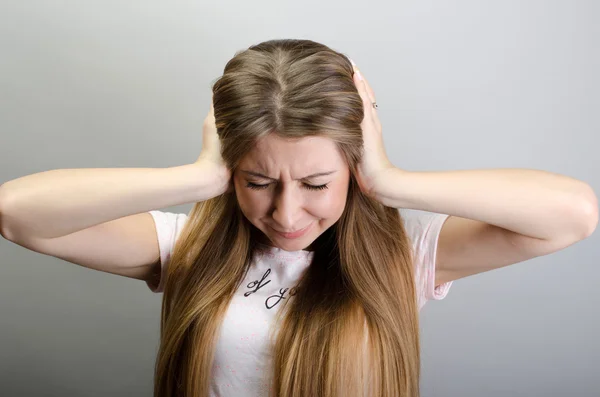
(461, 85)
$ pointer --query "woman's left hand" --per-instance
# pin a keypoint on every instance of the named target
(375, 163)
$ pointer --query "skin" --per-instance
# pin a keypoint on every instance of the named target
(286, 203)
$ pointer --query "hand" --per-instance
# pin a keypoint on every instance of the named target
(210, 155)
(374, 163)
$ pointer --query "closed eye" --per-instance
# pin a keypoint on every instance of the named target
(307, 186)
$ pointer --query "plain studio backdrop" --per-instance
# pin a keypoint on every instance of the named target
(460, 85)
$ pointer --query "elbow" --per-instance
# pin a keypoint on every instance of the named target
(4, 202)
(589, 209)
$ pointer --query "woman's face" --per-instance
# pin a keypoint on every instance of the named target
(278, 191)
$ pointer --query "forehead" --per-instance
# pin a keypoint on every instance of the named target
(313, 152)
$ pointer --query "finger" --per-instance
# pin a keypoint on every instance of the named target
(368, 97)
(368, 88)
(211, 111)
(362, 89)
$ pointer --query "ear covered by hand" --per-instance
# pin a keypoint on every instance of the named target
(210, 156)
(374, 162)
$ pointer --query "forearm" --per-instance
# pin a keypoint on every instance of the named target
(531, 202)
(59, 202)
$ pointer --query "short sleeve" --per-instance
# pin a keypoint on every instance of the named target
(423, 229)
(168, 228)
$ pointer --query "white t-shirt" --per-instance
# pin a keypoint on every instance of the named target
(242, 360)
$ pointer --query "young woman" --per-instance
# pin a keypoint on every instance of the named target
(300, 270)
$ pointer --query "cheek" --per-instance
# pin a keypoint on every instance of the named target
(244, 200)
(330, 204)
(252, 203)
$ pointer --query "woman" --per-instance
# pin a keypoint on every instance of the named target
(295, 274)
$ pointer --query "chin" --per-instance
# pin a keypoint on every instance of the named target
(295, 246)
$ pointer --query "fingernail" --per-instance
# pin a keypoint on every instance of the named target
(352, 62)
(358, 74)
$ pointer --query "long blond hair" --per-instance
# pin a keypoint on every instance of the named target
(352, 326)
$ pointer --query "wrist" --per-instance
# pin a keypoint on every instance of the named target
(387, 186)
(211, 179)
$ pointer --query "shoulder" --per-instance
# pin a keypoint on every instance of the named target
(168, 228)
(423, 229)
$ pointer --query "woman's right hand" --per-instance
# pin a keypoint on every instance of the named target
(210, 155)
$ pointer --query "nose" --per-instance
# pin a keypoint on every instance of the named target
(287, 208)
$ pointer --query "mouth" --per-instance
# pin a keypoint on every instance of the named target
(296, 234)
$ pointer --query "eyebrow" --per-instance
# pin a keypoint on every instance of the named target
(273, 179)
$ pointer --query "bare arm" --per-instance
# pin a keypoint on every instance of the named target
(98, 218)
(59, 202)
